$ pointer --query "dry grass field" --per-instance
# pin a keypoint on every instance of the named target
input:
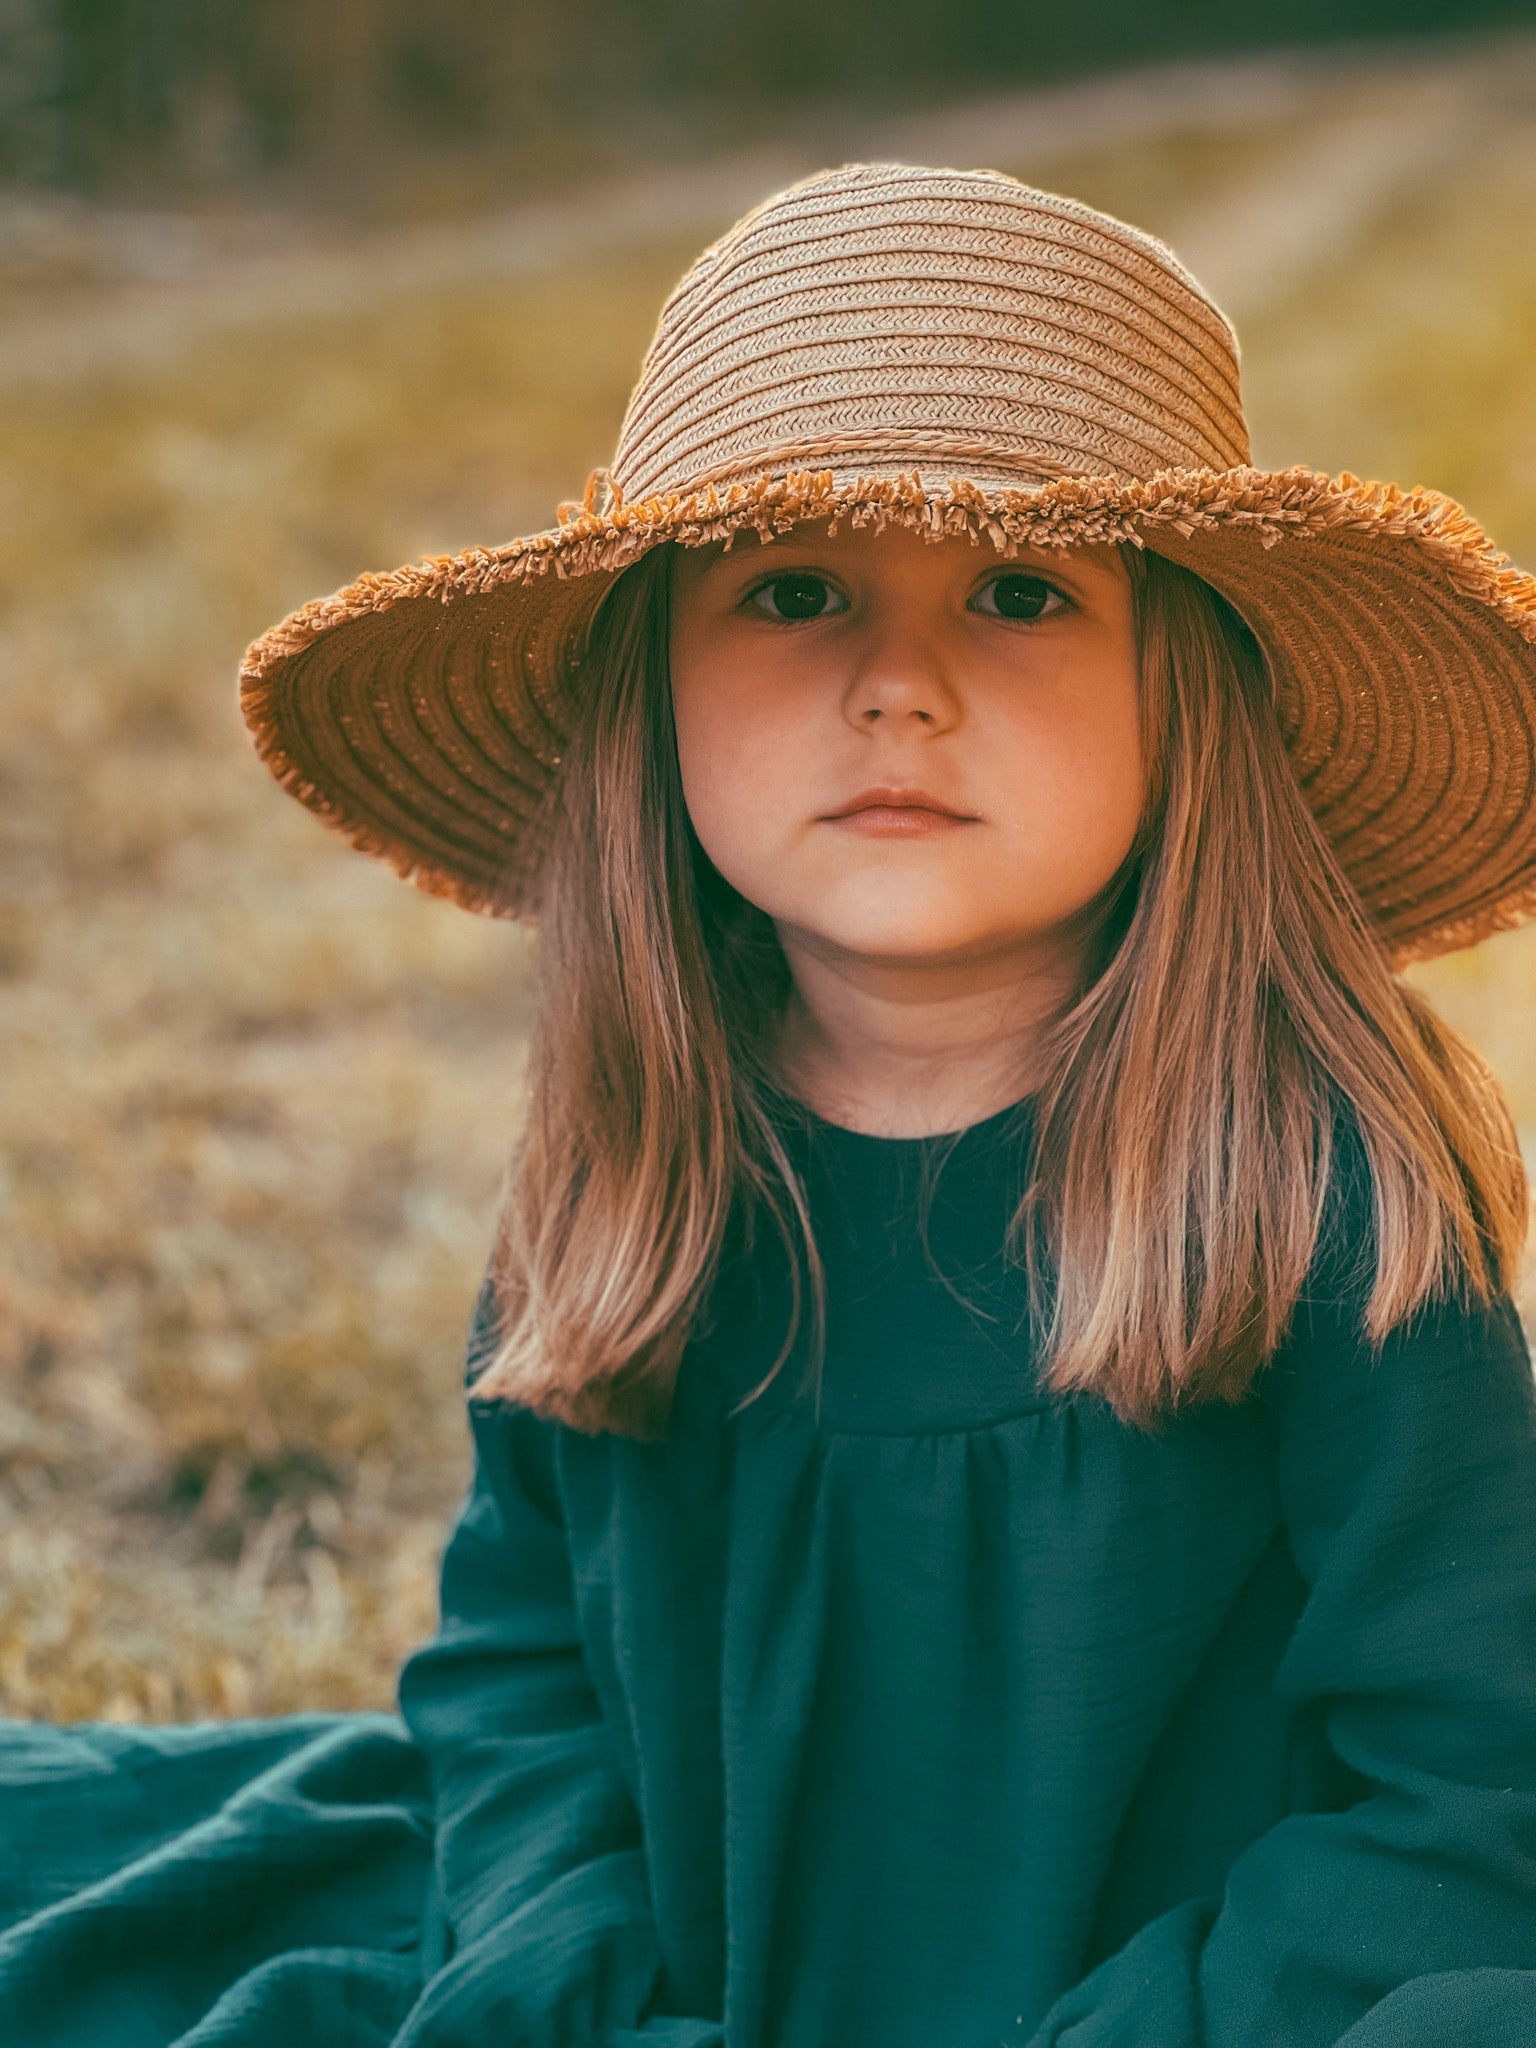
(254, 1094)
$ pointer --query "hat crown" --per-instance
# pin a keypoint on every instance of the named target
(882, 318)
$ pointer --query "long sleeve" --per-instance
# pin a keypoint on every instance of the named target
(539, 1857)
(1408, 1487)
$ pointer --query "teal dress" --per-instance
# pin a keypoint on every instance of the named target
(910, 1707)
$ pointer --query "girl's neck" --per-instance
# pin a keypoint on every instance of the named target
(899, 1051)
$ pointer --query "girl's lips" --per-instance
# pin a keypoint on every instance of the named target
(898, 821)
(893, 811)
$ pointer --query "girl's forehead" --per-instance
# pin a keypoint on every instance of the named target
(844, 541)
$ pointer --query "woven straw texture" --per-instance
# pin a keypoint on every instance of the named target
(959, 353)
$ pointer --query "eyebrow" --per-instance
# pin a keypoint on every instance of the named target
(1055, 562)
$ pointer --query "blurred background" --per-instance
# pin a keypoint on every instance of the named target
(288, 292)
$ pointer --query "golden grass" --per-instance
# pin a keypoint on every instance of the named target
(254, 1094)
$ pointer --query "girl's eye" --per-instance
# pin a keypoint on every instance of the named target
(798, 595)
(1013, 595)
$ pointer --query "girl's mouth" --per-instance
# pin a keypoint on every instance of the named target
(890, 813)
(899, 821)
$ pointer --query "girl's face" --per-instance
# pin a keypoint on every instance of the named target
(907, 750)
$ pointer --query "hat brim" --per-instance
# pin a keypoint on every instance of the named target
(423, 713)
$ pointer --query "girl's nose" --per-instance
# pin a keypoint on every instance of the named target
(901, 688)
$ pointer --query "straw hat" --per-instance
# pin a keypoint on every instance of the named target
(962, 354)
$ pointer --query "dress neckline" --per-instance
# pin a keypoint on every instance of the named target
(1012, 1116)
(928, 1319)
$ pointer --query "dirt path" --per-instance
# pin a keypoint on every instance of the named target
(1364, 132)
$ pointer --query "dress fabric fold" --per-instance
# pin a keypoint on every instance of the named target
(906, 1703)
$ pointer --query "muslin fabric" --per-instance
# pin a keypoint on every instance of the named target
(913, 1705)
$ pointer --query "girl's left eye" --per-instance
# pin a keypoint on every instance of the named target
(798, 595)
(1013, 595)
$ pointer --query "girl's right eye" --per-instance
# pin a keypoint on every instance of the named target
(797, 595)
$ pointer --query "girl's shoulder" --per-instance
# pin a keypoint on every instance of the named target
(1452, 1351)
(1343, 1269)
(514, 1446)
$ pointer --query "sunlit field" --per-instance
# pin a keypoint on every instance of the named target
(255, 1094)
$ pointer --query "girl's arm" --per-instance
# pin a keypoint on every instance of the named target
(1406, 1920)
(538, 1844)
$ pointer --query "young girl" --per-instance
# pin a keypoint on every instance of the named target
(1005, 1502)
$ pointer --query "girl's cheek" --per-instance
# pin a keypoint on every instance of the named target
(736, 802)
(745, 746)
(1080, 746)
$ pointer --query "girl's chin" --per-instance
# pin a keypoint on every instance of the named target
(909, 919)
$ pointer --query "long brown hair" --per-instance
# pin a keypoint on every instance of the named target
(1238, 999)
